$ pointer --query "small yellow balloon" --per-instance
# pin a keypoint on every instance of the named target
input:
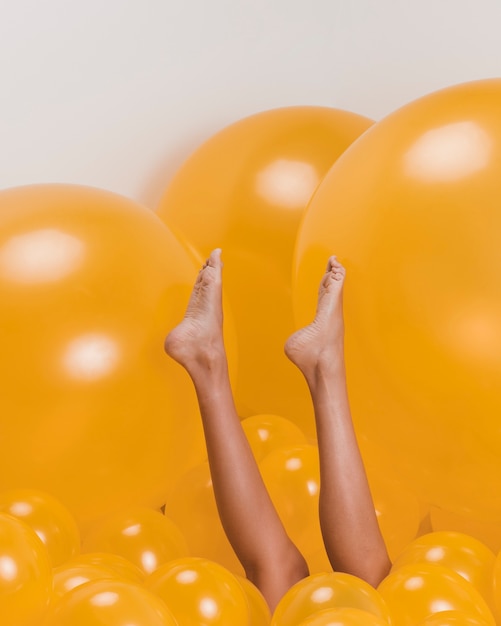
(192, 506)
(198, 591)
(119, 565)
(292, 477)
(496, 587)
(110, 603)
(48, 517)
(266, 433)
(465, 555)
(259, 611)
(25, 574)
(343, 617)
(414, 592)
(453, 618)
(69, 576)
(145, 537)
(328, 591)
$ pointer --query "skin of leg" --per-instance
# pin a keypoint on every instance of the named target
(270, 559)
(350, 530)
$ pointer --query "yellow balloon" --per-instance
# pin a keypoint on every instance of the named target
(198, 591)
(328, 591)
(412, 210)
(192, 506)
(92, 409)
(496, 585)
(467, 556)
(109, 602)
(343, 617)
(119, 565)
(292, 477)
(25, 574)
(70, 575)
(266, 433)
(259, 611)
(245, 190)
(414, 592)
(453, 618)
(48, 517)
(144, 537)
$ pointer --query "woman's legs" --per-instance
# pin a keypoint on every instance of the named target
(347, 517)
(270, 559)
(351, 533)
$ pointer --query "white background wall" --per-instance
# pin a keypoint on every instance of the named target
(116, 93)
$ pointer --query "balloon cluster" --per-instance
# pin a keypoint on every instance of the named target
(107, 512)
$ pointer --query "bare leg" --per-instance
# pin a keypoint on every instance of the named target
(270, 559)
(349, 525)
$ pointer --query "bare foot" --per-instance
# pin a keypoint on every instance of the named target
(198, 339)
(321, 343)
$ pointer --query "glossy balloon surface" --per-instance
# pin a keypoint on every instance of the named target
(413, 211)
(119, 565)
(48, 517)
(292, 476)
(144, 537)
(199, 591)
(25, 574)
(465, 555)
(259, 611)
(343, 617)
(414, 592)
(192, 506)
(69, 576)
(92, 409)
(109, 603)
(266, 433)
(328, 591)
(453, 618)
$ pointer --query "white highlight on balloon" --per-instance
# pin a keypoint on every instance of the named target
(42, 256)
(91, 356)
(449, 152)
(8, 568)
(286, 183)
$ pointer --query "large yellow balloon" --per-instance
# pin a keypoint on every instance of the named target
(25, 574)
(413, 210)
(110, 602)
(48, 517)
(328, 591)
(245, 190)
(414, 592)
(92, 410)
(144, 537)
(198, 591)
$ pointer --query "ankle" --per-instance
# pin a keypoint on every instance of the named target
(327, 367)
